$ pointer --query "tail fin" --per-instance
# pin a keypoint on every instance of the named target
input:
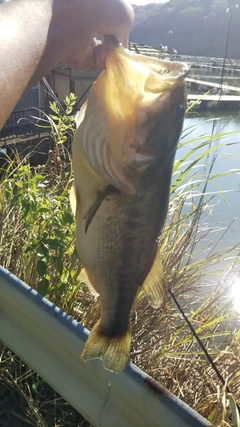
(113, 351)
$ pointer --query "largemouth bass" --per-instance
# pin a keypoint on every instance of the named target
(123, 154)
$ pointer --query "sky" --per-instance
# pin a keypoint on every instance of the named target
(141, 2)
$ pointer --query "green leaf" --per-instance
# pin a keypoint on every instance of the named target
(43, 252)
(31, 247)
(62, 285)
(43, 286)
(60, 265)
(60, 234)
(61, 141)
(237, 337)
(53, 244)
(235, 413)
(41, 267)
(25, 209)
(72, 96)
(19, 184)
(25, 227)
(43, 209)
(68, 218)
(39, 177)
(69, 110)
(54, 117)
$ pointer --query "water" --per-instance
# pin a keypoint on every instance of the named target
(225, 216)
(228, 160)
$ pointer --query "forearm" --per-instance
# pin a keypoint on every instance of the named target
(23, 35)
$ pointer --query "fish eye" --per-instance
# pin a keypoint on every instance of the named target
(179, 111)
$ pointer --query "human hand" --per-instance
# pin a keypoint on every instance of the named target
(106, 17)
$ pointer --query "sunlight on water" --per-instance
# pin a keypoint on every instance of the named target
(235, 294)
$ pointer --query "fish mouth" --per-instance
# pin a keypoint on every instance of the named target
(168, 70)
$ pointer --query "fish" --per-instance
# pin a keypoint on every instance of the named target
(123, 154)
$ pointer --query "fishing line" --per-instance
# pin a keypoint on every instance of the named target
(86, 91)
(53, 95)
(209, 358)
(56, 98)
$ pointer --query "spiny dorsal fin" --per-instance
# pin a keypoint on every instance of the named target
(113, 351)
(154, 285)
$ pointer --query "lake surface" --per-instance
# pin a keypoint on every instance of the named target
(224, 218)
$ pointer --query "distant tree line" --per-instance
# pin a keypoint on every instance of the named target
(193, 27)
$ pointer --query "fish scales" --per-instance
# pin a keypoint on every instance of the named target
(123, 158)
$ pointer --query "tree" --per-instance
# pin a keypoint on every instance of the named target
(194, 24)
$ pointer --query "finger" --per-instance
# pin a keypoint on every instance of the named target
(116, 18)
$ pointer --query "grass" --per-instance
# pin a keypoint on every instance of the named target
(37, 243)
(26, 400)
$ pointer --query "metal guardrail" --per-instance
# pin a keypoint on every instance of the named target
(51, 342)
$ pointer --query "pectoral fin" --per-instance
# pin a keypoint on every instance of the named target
(154, 285)
(90, 214)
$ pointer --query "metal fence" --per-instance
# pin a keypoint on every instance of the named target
(23, 122)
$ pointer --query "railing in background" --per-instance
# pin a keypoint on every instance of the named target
(23, 122)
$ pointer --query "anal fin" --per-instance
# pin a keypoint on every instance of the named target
(154, 285)
(113, 351)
